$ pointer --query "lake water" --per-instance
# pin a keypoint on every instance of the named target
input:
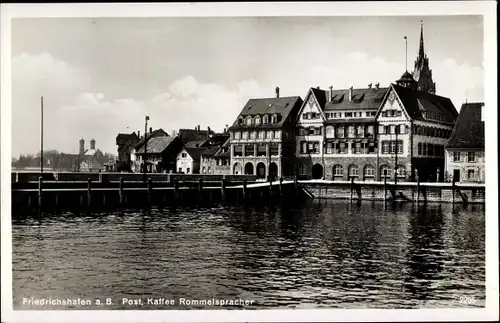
(320, 254)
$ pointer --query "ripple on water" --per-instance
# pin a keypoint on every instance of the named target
(317, 255)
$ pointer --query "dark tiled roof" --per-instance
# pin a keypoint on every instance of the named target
(282, 106)
(194, 143)
(187, 135)
(210, 151)
(469, 129)
(216, 140)
(156, 133)
(321, 96)
(362, 99)
(126, 137)
(195, 153)
(156, 145)
(351, 120)
(416, 102)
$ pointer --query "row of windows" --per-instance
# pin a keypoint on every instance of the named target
(313, 147)
(256, 120)
(470, 157)
(339, 131)
(390, 147)
(432, 132)
(434, 116)
(337, 115)
(391, 113)
(270, 134)
(392, 129)
(368, 171)
(425, 149)
(255, 150)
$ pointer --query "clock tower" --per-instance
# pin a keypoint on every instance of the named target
(422, 73)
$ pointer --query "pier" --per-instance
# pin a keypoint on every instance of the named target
(80, 191)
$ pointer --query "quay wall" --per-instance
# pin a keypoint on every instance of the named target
(404, 191)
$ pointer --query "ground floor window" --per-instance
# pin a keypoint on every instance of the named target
(385, 171)
(353, 171)
(338, 170)
(401, 171)
(471, 174)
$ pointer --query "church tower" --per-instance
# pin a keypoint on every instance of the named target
(422, 73)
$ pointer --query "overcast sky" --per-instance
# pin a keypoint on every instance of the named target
(101, 76)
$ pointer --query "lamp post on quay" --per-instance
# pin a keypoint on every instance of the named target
(145, 147)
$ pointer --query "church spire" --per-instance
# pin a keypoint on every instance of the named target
(422, 73)
(421, 49)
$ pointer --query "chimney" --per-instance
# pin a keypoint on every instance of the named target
(199, 128)
(370, 86)
(209, 130)
(317, 87)
(92, 144)
(377, 86)
(350, 94)
(277, 92)
(139, 134)
(330, 94)
(150, 130)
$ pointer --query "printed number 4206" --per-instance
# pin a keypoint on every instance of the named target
(467, 300)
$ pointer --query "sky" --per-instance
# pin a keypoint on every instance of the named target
(100, 77)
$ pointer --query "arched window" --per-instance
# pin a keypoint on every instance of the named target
(385, 171)
(353, 171)
(369, 171)
(338, 170)
(401, 171)
(204, 170)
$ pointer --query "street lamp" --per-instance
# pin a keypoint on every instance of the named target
(145, 145)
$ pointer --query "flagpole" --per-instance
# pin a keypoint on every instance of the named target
(41, 135)
(406, 54)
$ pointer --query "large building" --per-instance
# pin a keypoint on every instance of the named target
(336, 133)
(465, 148)
(125, 143)
(263, 137)
(373, 133)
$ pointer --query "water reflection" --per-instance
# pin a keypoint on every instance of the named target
(321, 254)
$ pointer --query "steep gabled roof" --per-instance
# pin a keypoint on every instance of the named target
(195, 153)
(282, 106)
(469, 129)
(156, 133)
(417, 102)
(321, 96)
(362, 99)
(187, 135)
(215, 140)
(210, 151)
(156, 145)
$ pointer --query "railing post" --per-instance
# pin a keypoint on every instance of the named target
(453, 191)
(176, 189)
(200, 189)
(121, 190)
(245, 189)
(150, 190)
(385, 188)
(223, 187)
(40, 182)
(352, 184)
(418, 189)
(281, 186)
(270, 189)
(89, 189)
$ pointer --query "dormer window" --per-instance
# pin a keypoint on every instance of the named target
(240, 121)
(274, 118)
(249, 121)
(257, 120)
(265, 119)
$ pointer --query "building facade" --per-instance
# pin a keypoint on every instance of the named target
(188, 160)
(160, 156)
(336, 133)
(464, 152)
(216, 159)
(125, 143)
(262, 138)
